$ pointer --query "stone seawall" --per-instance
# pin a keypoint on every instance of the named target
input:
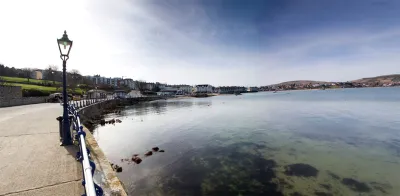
(90, 116)
(10, 92)
(8, 102)
(104, 175)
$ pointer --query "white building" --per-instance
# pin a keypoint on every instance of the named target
(129, 82)
(185, 89)
(316, 85)
(119, 94)
(203, 88)
(134, 93)
(252, 89)
(116, 82)
(96, 94)
(149, 86)
(37, 74)
(98, 80)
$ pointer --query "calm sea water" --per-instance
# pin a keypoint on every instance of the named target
(338, 142)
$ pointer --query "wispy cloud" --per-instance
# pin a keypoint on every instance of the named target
(188, 44)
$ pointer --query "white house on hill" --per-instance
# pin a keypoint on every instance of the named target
(203, 88)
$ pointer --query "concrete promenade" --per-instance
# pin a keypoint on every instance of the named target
(31, 161)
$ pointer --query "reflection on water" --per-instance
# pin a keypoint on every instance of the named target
(333, 142)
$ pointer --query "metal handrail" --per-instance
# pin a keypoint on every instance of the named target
(88, 166)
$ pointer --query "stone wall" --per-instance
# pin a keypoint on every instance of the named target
(90, 116)
(10, 92)
(7, 102)
(104, 175)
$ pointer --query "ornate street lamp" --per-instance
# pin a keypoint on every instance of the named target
(65, 45)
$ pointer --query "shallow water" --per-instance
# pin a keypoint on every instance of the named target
(338, 142)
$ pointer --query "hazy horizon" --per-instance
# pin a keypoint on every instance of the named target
(220, 42)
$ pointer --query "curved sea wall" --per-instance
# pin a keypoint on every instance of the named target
(91, 116)
(104, 175)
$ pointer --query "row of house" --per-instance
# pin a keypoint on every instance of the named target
(206, 88)
(164, 89)
(115, 82)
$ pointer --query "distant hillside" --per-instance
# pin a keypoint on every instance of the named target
(386, 79)
(302, 82)
(381, 79)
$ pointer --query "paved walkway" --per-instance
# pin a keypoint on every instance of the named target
(31, 161)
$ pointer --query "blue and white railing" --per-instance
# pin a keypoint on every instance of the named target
(88, 166)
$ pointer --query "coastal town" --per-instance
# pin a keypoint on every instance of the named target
(43, 82)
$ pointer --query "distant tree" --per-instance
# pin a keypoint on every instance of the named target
(74, 78)
(50, 73)
(27, 73)
(2, 81)
(2, 70)
(86, 83)
(140, 85)
(76, 75)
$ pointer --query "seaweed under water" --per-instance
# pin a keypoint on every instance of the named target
(224, 171)
(239, 169)
(356, 185)
(301, 169)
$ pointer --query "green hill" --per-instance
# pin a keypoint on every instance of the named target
(381, 79)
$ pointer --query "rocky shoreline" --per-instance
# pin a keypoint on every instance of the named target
(95, 115)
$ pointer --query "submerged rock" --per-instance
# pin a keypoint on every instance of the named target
(301, 169)
(136, 159)
(148, 153)
(155, 149)
(161, 151)
(216, 171)
(117, 168)
(356, 185)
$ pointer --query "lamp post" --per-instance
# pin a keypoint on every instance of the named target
(64, 45)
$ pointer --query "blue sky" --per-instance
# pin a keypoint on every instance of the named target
(220, 42)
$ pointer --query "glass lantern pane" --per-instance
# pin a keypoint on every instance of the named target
(64, 46)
